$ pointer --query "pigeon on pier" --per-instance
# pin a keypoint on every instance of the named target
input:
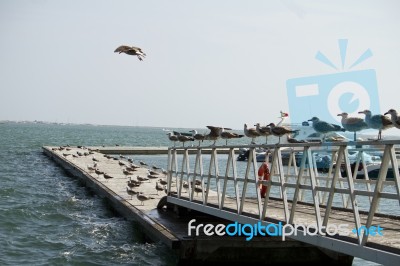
(251, 133)
(324, 127)
(142, 198)
(394, 117)
(263, 131)
(131, 50)
(197, 136)
(229, 135)
(379, 122)
(353, 124)
(280, 131)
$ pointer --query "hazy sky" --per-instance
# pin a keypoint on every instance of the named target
(208, 62)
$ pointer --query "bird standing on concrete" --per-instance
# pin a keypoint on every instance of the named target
(142, 198)
(324, 127)
(263, 131)
(251, 133)
(394, 117)
(352, 124)
(379, 122)
(130, 191)
(131, 50)
(159, 187)
(279, 131)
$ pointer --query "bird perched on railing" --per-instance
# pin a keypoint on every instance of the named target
(229, 135)
(215, 133)
(379, 122)
(352, 124)
(279, 131)
(394, 117)
(251, 133)
(197, 136)
(172, 137)
(324, 127)
(263, 131)
(131, 50)
(183, 139)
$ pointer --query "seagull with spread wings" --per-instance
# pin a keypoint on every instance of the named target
(131, 50)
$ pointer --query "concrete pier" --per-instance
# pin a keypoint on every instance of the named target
(169, 224)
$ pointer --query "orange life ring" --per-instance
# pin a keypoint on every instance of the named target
(263, 174)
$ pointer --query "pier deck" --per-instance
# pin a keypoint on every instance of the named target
(171, 226)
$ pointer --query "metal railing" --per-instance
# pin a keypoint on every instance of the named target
(189, 175)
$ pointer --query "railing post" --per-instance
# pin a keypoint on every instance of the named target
(378, 189)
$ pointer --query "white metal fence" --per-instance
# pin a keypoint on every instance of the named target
(197, 181)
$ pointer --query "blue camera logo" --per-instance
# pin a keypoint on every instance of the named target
(325, 96)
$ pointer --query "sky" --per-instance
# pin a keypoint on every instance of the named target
(222, 63)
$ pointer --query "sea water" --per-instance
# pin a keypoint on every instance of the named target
(49, 218)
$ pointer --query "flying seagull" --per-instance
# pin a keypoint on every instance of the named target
(353, 124)
(131, 50)
(379, 122)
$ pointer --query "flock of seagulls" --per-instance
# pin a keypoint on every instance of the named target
(224, 133)
(356, 124)
(350, 124)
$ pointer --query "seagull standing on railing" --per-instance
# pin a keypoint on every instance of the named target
(172, 137)
(263, 131)
(394, 117)
(251, 133)
(131, 50)
(279, 131)
(353, 124)
(215, 133)
(229, 135)
(324, 127)
(379, 122)
(183, 139)
(197, 136)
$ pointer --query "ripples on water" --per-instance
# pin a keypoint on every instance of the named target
(47, 217)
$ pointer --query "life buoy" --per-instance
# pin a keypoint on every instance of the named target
(263, 174)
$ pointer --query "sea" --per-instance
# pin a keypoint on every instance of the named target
(49, 218)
